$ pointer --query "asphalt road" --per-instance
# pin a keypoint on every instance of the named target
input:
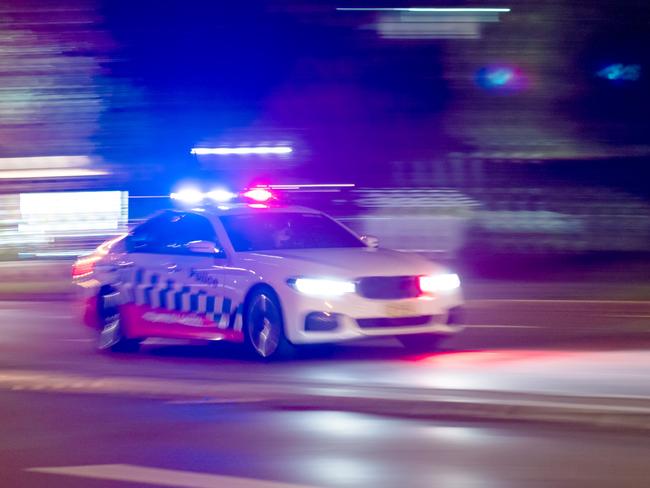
(553, 347)
(85, 441)
(125, 438)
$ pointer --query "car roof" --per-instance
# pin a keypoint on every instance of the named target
(247, 209)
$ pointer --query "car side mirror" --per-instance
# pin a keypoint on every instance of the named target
(202, 247)
(370, 241)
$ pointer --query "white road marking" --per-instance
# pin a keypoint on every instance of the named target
(161, 477)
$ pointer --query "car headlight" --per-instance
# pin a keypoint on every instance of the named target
(439, 282)
(322, 287)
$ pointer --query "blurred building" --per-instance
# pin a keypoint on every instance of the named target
(536, 113)
(54, 197)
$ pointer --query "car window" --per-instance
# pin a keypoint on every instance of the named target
(286, 230)
(147, 236)
(171, 232)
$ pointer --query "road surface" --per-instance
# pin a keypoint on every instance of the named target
(74, 417)
(84, 441)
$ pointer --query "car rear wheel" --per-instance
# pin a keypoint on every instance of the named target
(421, 342)
(111, 334)
(265, 328)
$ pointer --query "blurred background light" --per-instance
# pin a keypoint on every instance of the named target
(430, 22)
(48, 167)
(228, 151)
(300, 186)
(76, 212)
(498, 77)
(426, 9)
(60, 223)
(620, 72)
(33, 162)
(50, 173)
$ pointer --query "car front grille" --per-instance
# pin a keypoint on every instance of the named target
(375, 323)
(388, 287)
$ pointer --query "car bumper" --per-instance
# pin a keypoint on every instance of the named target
(317, 321)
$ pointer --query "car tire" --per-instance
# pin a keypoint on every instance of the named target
(264, 326)
(111, 331)
(421, 343)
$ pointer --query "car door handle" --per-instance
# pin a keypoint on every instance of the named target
(172, 268)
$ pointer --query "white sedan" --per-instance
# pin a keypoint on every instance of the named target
(272, 277)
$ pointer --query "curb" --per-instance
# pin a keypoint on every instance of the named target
(593, 415)
(467, 405)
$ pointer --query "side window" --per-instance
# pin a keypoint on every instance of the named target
(147, 236)
(171, 233)
(187, 228)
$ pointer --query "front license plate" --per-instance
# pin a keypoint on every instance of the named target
(401, 309)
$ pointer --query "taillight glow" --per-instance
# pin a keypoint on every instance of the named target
(85, 266)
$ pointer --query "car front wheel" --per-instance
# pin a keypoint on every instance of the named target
(264, 326)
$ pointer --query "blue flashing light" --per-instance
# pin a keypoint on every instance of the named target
(220, 195)
(188, 195)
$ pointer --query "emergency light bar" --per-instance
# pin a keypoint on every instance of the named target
(220, 195)
(257, 194)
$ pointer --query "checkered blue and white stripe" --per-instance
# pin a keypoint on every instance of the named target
(149, 288)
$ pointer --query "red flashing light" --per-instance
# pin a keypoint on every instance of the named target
(257, 205)
(259, 194)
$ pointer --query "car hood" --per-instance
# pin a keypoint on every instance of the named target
(340, 262)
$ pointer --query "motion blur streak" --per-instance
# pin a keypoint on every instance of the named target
(49, 173)
(226, 151)
(425, 9)
(63, 223)
(431, 22)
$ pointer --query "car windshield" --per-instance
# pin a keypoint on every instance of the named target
(286, 230)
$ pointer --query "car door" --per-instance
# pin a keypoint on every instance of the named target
(195, 268)
(173, 290)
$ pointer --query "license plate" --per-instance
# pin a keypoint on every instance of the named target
(401, 309)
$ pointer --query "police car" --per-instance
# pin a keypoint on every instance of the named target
(270, 276)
